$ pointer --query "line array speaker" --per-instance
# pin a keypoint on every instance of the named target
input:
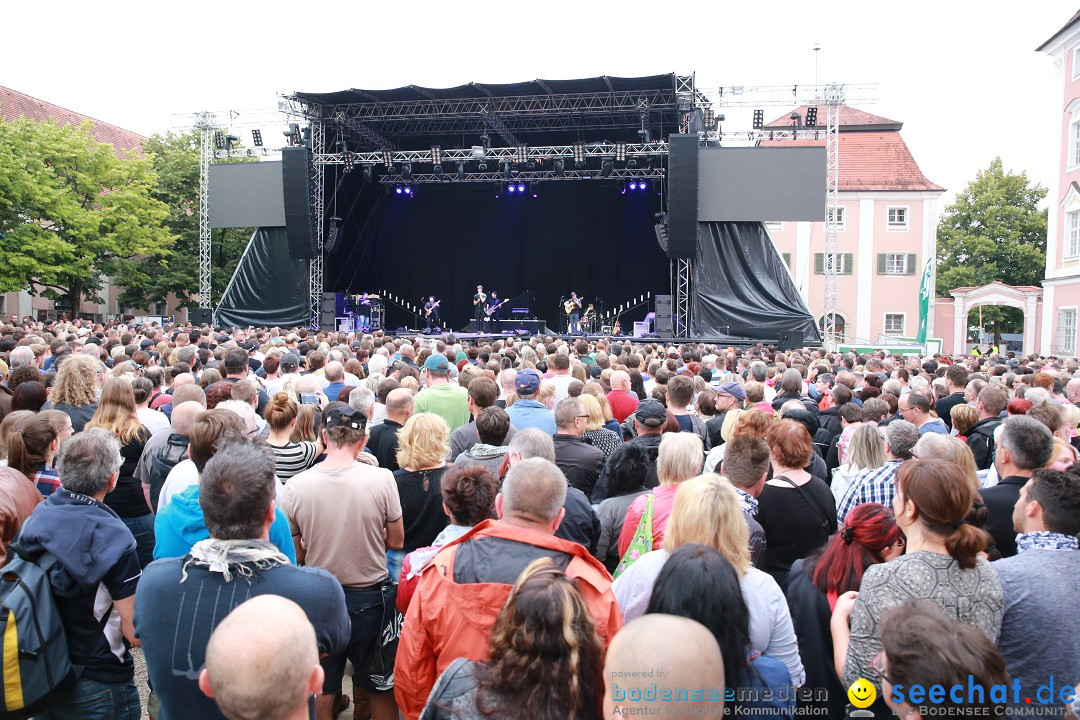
(295, 187)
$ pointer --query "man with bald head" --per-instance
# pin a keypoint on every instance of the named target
(623, 402)
(383, 440)
(462, 588)
(334, 374)
(166, 448)
(684, 649)
(262, 662)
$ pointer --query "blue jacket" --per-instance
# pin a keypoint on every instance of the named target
(531, 414)
(180, 524)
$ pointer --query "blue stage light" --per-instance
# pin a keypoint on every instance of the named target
(642, 185)
(398, 190)
(511, 188)
(521, 187)
(408, 190)
(633, 185)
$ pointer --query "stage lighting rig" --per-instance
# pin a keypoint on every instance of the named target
(256, 137)
(759, 119)
(219, 140)
(606, 168)
(811, 116)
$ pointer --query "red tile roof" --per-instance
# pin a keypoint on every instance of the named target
(14, 105)
(851, 120)
(873, 156)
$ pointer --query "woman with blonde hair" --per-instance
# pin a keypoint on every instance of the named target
(116, 414)
(597, 391)
(423, 446)
(707, 512)
(680, 457)
(595, 433)
(75, 389)
(1064, 455)
(865, 450)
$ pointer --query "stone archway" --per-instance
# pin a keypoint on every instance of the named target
(1024, 297)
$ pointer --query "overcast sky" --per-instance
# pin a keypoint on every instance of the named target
(963, 77)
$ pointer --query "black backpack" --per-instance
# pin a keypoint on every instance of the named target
(163, 461)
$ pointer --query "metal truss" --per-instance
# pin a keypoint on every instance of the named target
(318, 204)
(834, 98)
(525, 176)
(204, 123)
(605, 150)
(681, 315)
(495, 123)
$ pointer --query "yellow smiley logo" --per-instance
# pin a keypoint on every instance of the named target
(862, 693)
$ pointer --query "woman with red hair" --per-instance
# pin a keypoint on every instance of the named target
(870, 536)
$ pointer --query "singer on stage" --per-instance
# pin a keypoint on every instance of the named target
(479, 301)
(431, 312)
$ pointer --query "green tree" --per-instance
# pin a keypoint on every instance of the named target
(72, 212)
(994, 230)
(175, 159)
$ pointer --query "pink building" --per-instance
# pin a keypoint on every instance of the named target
(14, 105)
(1061, 286)
(887, 229)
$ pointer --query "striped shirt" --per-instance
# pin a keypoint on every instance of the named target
(873, 485)
(293, 459)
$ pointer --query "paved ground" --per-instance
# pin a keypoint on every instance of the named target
(144, 690)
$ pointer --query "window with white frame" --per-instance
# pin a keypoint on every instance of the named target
(1076, 63)
(841, 217)
(1067, 331)
(894, 323)
(898, 218)
(1074, 143)
(895, 263)
(1072, 234)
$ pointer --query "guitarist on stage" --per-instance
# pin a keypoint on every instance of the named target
(431, 313)
(493, 308)
(573, 312)
(479, 302)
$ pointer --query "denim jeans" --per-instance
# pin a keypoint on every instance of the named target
(143, 530)
(394, 558)
(93, 700)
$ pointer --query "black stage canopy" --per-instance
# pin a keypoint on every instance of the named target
(538, 112)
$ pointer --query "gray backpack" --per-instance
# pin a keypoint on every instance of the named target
(35, 667)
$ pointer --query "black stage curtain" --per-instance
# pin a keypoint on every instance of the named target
(588, 237)
(269, 288)
(743, 288)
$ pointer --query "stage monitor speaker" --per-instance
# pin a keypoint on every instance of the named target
(789, 340)
(201, 316)
(682, 197)
(295, 183)
(663, 326)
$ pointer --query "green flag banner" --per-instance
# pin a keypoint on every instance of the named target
(924, 300)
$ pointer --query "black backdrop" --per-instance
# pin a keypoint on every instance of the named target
(585, 236)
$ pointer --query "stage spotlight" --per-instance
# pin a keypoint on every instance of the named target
(256, 137)
(631, 163)
(811, 116)
(642, 185)
(388, 158)
(406, 171)
(633, 185)
(511, 188)
(461, 171)
(559, 166)
(521, 187)
(436, 155)
(606, 168)
(219, 140)
(759, 119)
(399, 190)
(533, 190)
(522, 153)
(579, 155)
(437, 169)
(408, 191)
(482, 167)
(368, 173)
(620, 152)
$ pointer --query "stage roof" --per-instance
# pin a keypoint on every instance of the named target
(537, 112)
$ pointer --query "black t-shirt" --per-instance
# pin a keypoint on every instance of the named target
(421, 506)
(127, 498)
(793, 522)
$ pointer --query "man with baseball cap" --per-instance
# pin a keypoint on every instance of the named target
(729, 396)
(649, 420)
(528, 411)
(441, 397)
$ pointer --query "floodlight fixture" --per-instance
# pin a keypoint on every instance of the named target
(256, 137)
(759, 119)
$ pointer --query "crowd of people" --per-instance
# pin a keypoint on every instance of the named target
(538, 528)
